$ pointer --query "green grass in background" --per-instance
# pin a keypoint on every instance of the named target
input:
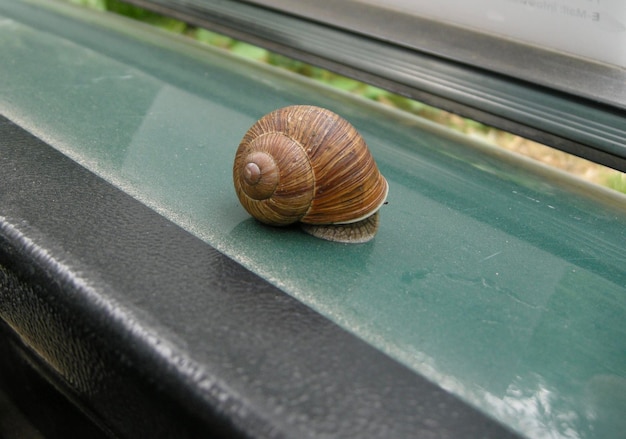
(587, 170)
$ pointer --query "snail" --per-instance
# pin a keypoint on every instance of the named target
(308, 165)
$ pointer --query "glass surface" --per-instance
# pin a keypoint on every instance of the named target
(498, 279)
(595, 29)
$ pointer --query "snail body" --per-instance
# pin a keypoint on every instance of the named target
(307, 164)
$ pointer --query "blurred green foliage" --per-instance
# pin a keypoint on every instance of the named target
(134, 12)
(617, 181)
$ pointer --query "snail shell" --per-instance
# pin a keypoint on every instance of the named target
(307, 164)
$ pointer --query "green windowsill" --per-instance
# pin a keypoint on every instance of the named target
(498, 278)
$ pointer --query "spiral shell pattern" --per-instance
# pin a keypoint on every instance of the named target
(307, 164)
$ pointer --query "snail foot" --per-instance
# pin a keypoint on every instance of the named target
(353, 233)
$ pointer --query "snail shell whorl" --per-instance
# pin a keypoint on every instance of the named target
(283, 191)
(307, 164)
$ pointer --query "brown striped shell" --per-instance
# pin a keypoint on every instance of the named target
(307, 164)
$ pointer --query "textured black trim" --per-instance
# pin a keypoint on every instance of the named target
(30, 405)
(154, 333)
(587, 121)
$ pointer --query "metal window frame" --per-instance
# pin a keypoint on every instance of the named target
(563, 101)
